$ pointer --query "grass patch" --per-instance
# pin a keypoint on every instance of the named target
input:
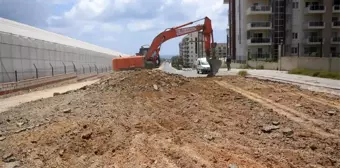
(243, 73)
(315, 73)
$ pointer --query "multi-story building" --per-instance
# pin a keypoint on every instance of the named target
(191, 47)
(221, 50)
(257, 28)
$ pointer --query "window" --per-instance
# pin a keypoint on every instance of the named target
(294, 50)
(295, 35)
(295, 5)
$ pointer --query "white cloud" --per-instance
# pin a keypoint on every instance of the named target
(87, 9)
(86, 29)
(108, 39)
(110, 27)
(141, 25)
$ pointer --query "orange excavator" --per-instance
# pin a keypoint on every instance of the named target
(151, 58)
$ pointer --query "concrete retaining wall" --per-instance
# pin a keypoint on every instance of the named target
(266, 65)
(312, 63)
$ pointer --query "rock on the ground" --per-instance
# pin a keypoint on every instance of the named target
(56, 94)
(67, 111)
(269, 128)
(331, 112)
(209, 137)
(232, 166)
(21, 130)
(15, 164)
(298, 105)
(2, 138)
(155, 87)
(287, 131)
(19, 124)
(86, 135)
(276, 123)
(8, 157)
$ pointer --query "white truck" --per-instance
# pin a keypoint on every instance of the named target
(202, 66)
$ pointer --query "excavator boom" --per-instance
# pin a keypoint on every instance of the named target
(152, 54)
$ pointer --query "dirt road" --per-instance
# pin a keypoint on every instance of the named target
(9, 102)
(152, 119)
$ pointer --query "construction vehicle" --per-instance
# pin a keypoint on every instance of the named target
(151, 53)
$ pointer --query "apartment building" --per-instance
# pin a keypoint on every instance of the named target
(261, 29)
(190, 48)
(221, 50)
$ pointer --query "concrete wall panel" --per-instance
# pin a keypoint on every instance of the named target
(16, 40)
(335, 65)
(5, 51)
(25, 42)
(15, 52)
(7, 38)
(289, 63)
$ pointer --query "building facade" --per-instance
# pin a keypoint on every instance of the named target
(261, 29)
(192, 47)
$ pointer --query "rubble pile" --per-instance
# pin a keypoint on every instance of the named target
(142, 80)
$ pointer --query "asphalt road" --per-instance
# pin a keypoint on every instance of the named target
(192, 73)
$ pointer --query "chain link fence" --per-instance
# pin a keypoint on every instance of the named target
(23, 58)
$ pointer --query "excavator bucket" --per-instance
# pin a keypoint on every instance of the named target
(215, 65)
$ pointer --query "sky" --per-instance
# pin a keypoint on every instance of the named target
(121, 25)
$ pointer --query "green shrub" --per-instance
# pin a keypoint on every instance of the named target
(243, 73)
(315, 73)
(260, 67)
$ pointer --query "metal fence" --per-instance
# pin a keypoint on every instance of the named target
(26, 58)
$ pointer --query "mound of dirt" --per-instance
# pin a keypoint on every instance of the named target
(142, 80)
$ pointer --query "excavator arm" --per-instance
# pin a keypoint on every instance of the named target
(153, 52)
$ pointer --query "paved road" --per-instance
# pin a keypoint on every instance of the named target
(7, 103)
(306, 82)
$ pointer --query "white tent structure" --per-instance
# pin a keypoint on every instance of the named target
(26, 50)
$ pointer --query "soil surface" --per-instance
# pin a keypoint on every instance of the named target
(153, 119)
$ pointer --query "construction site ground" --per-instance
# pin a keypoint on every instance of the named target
(150, 118)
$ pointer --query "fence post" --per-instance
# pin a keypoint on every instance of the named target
(95, 66)
(16, 75)
(64, 66)
(36, 71)
(52, 69)
(83, 69)
(74, 67)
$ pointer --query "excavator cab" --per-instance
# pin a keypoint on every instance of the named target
(151, 62)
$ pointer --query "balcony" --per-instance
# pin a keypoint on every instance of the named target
(336, 25)
(314, 40)
(312, 9)
(336, 9)
(259, 26)
(259, 10)
(336, 40)
(256, 41)
(315, 25)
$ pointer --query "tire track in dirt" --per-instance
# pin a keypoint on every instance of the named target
(293, 115)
